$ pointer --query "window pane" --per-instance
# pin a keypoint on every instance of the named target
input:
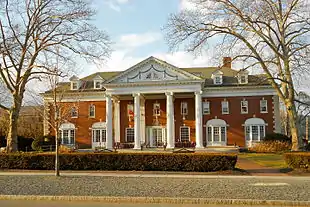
(184, 108)
(216, 134)
(130, 110)
(255, 133)
(210, 134)
(247, 133)
(130, 136)
(223, 134)
(262, 132)
(156, 109)
(65, 136)
(97, 135)
(72, 136)
(92, 110)
(206, 107)
(244, 106)
(225, 109)
(184, 134)
(104, 135)
(263, 105)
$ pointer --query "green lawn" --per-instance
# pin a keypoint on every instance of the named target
(265, 159)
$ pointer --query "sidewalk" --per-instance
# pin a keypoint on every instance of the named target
(258, 170)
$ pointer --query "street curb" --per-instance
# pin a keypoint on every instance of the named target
(168, 200)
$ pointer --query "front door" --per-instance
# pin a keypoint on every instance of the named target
(98, 138)
(156, 136)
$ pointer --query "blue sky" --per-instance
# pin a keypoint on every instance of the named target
(135, 28)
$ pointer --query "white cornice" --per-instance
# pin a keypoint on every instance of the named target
(238, 91)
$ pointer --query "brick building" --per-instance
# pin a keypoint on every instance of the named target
(154, 103)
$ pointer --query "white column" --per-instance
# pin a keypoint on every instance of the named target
(198, 120)
(117, 123)
(109, 114)
(142, 119)
(137, 121)
(170, 121)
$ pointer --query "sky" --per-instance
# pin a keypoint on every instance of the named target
(134, 27)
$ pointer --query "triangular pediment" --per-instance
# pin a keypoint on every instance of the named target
(152, 70)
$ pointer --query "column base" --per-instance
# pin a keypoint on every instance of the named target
(137, 148)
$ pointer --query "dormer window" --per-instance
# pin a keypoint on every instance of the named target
(243, 77)
(217, 77)
(97, 84)
(74, 83)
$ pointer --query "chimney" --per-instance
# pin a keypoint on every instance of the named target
(227, 62)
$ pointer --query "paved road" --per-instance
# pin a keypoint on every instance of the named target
(229, 187)
(7, 203)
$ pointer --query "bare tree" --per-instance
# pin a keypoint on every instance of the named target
(33, 29)
(267, 35)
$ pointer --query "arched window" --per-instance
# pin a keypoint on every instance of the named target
(67, 134)
(255, 130)
(99, 136)
(216, 132)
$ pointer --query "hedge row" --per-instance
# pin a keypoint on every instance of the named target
(199, 162)
(298, 160)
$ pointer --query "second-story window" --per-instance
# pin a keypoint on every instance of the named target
(97, 84)
(74, 112)
(263, 106)
(130, 112)
(206, 107)
(225, 107)
(74, 85)
(244, 107)
(184, 109)
(92, 110)
(156, 109)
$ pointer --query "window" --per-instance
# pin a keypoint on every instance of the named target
(99, 135)
(130, 112)
(263, 106)
(225, 107)
(74, 112)
(130, 135)
(92, 110)
(97, 84)
(157, 134)
(243, 79)
(206, 107)
(244, 107)
(184, 133)
(67, 136)
(156, 109)
(218, 80)
(216, 132)
(74, 85)
(254, 130)
(184, 110)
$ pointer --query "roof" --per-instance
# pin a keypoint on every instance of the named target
(229, 76)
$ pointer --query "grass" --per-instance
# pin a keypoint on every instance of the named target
(265, 159)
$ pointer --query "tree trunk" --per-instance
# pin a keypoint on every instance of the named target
(292, 119)
(12, 132)
(57, 154)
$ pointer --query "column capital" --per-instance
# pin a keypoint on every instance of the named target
(107, 95)
(169, 93)
(198, 92)
(136, 94)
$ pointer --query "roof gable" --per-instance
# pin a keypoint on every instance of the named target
(152, 69)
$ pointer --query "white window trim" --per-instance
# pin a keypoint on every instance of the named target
(186, 104)
(220, 78)
(92, 105)
(154, 114)
(77, 85)
(203, 107)
(95, 84)
(220, 135)
(251, 135)
(223, 107)
(72, 142)
(77, 113)
(246, 78)
(260, 106)
(126, 140)
(100, 135)
(247, 107)
(189, 132)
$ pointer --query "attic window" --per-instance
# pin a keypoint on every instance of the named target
(74, 85)
(97, 84)
(243, 77)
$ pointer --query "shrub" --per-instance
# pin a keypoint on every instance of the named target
(271, 146)
(307, 147)
(201, 162)
(277, 137)
(38, 143)
(298, 160)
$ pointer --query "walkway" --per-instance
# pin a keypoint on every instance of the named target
(258, 170)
